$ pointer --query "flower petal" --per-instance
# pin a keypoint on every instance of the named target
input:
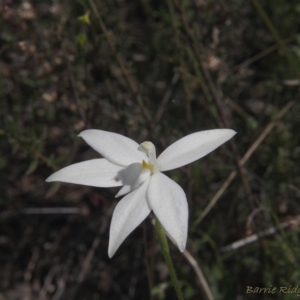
(129, 188)
(128, 214)
(132, 176)
(129, 175)
(193, 147)
(114, 147)
(168, 202)
(95, 172)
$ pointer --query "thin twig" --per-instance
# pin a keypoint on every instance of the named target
(240, 110)
(246, 156)
(255, 237)
(166, 98)
(61, 282)
(200, 80)
(51, 210)
(88, 260)
(47, 282)
(32, 264)
(86, 265)
(202, 281)
(260, 55)
(43, 158)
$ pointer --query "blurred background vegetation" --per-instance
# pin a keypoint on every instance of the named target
(150, 70)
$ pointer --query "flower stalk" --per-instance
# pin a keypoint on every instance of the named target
(161, 235)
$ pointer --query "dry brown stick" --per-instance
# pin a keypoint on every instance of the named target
(86, 265)
(246, 156)
(239, 110)
(294, 188)
(32, 264)
(217, 98)
(260, 55)
(255, 237)
(47, 282)
(51, 210)
(88, 260)
(131, 82)
(200, 80)
(202, 281)
(61, 282)
(44, 159)
(166, 98)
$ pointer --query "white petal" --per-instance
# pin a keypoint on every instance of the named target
(129, 175)
(193, 147)
(168, 202)
(144, 175)
(128, 214)
(124, 190)
(132, 176)
(96, 172)
(114, 147)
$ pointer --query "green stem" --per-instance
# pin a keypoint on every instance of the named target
(161, 234)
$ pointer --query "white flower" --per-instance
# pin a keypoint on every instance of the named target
(136, 168)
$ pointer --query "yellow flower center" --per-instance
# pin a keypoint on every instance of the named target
(148, 166)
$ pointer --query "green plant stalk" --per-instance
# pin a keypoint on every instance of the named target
(276, 36)
(161, 234)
